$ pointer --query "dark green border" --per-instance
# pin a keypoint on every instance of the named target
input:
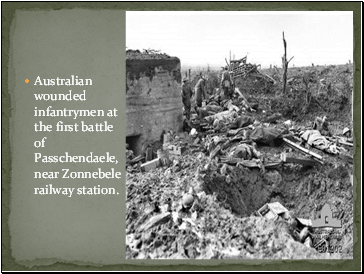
(8, 12)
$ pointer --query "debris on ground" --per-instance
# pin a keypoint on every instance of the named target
(243, 182)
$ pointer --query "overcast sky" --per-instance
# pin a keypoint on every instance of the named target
(201, 38)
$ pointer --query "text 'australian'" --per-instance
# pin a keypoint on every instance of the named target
(74, 81)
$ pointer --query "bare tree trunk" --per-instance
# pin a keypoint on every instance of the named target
(285, 64)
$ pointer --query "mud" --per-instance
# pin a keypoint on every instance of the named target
(245, 192)
(223, 223)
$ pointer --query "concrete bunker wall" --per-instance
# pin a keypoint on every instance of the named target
(153, 99)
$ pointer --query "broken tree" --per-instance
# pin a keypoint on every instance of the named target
(285, 64)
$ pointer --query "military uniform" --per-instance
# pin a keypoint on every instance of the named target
(226, 84)
(186, 98)
(200, 92)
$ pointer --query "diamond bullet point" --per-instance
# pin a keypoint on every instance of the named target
(26, 81)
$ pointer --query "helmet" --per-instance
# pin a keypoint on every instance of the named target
(345, 130)
(187, 200)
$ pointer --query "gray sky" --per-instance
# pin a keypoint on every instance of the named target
(201, 38)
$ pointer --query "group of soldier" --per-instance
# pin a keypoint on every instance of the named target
(199, 94)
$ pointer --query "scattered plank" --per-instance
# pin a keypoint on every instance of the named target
(305, 162)
(345, 143)
(273, 165)
(150, 165)
(242, 96)
(274, 81)
(304, 150)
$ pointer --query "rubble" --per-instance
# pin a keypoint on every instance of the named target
(272, 210)
(155, 220)
(150, 165)
(252, 194)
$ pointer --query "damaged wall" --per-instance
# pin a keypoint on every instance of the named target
(153, 98)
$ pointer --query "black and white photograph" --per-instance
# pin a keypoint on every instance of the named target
(239, 135)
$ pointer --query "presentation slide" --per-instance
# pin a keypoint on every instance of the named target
(150, 136)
